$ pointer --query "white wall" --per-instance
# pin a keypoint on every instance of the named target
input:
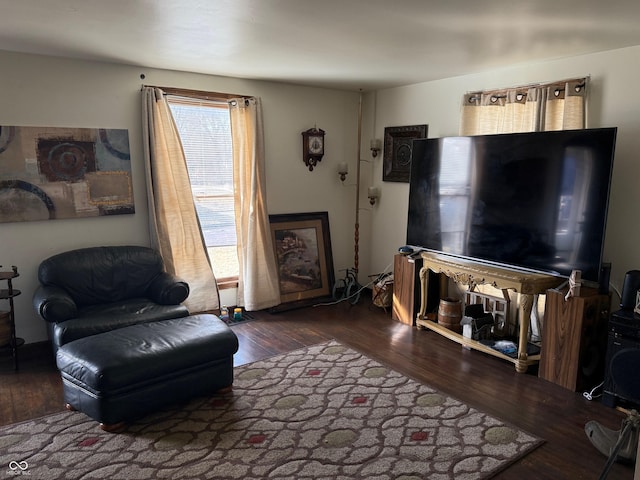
(612, 104)
(47, 91)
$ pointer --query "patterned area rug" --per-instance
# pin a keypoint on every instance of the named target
(323, 412)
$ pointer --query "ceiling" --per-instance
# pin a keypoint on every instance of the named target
(344, 44)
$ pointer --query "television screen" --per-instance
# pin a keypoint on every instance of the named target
(536, 201)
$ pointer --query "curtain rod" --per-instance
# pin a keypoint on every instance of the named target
(201, 94)
(583, 83)
(496, 96)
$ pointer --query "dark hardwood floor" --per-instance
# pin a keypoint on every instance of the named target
(542, 408)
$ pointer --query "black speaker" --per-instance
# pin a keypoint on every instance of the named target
(629, 290)
(611, 395)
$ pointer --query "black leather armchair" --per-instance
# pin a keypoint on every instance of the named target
(94, 290)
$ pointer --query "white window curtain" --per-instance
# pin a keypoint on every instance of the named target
(174, 227)
(553, 106)
(258, 286)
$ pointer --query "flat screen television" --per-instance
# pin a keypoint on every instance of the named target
(536, 201)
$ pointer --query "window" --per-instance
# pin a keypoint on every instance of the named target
(205, 132)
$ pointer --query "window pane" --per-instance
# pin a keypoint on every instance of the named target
(224, 261)
(205, 132)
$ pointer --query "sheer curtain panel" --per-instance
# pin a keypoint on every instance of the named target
(258, 286)
(174, 228)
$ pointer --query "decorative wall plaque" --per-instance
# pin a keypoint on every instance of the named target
(398, 146)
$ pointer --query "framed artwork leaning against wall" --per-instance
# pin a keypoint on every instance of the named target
(302, 248)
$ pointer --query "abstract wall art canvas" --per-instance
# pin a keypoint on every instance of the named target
(50, 173)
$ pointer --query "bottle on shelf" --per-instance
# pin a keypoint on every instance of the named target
(224, 313)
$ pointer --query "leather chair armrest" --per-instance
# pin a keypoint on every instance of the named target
(54, 304)
(167, 289)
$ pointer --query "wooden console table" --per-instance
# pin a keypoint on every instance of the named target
(472, 273)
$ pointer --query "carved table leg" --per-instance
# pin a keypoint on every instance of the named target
(526, 305)
(424, 288)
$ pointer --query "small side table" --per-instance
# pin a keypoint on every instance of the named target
(8, 337)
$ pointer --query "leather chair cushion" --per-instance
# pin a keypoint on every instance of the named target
(96, 319)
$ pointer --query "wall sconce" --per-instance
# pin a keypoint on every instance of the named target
(343, 169)
(375, 147)
(373, 193)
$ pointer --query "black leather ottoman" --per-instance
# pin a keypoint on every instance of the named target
(117, 376)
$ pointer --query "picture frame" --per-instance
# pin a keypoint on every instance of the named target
(398, 147)
(302, 249)
(58, 173)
